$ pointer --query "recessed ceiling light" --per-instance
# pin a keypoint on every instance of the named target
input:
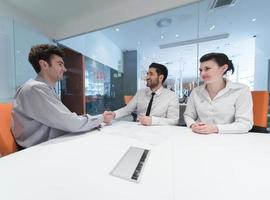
(164, 22)
(117, 29)
(138, 42)
(176, 35)
(162, 36)
(212, 27)
(254, 19)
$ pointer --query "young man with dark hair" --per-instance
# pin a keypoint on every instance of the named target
(38, 113)
(155, 105)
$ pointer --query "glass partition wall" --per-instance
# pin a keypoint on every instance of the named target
(176, 38)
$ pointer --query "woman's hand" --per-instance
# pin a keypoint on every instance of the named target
(203, 128)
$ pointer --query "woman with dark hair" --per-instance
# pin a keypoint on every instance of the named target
(219, 105)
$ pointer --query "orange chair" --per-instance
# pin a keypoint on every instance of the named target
(127, 98)
(260, 110)
(7, 142)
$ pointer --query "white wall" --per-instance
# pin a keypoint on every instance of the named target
(262, 55)
(25, 19)
(17, 34)
(7, 67)
(98, 47)
(24, 39)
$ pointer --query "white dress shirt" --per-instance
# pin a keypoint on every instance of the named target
(230, 110)
(164, 110)
(39, 115)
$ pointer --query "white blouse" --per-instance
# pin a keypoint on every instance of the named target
(231, 109)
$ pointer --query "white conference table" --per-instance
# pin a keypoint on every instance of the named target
(181, 165)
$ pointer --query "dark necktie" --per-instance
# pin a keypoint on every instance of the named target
(150, 105)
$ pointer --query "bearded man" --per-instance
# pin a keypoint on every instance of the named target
(155, 105)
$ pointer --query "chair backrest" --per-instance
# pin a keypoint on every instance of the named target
(260, 110)
(182, 108)
(7, 142)
(127, 98)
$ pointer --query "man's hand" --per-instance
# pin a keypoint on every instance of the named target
(203, 128)
(108, 116)
(145, 120)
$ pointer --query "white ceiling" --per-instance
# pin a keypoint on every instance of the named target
(67, 18)
(56, 12)
(145, 36)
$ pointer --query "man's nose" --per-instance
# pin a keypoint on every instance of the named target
(202, 72)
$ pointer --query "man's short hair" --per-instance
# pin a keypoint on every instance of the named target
(160, 69)
(43, 52)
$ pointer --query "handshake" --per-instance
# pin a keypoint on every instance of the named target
(108, 116)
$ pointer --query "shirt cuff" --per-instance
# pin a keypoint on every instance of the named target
(117, 114)
(189, 122)
(229, 128)
(155, 120)
(222, 129)
(101, 118)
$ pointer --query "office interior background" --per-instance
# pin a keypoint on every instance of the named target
(109, 45)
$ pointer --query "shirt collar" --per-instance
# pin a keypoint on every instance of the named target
(157, 92)
(229, 86)
(40, 79)
(232, 85)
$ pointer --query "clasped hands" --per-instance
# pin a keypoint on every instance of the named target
(203, 128)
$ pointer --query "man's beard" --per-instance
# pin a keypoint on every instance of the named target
(152, 84)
